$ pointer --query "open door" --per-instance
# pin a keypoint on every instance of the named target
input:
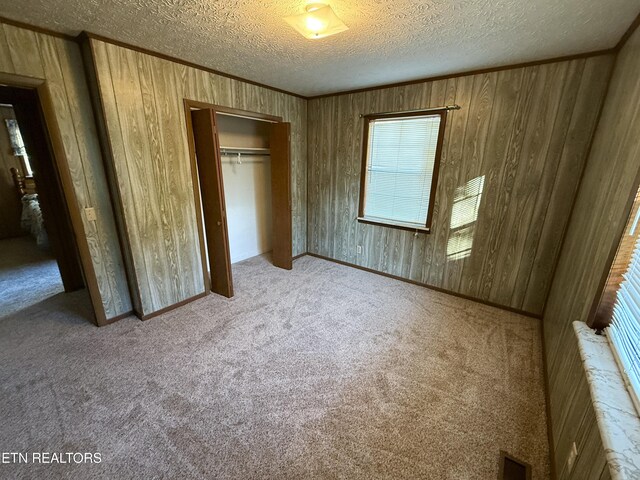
(207, 150)
(280, 147)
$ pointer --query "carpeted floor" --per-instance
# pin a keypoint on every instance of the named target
(28, 274)
(322, 372)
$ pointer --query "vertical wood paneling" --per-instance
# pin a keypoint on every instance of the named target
(600, 212)
(526, 131)
(144, 118)
(119, 182)
(509, 83)
(6, 64)
(23, 48)
(571, 164)
(58, 62)
(139, 178)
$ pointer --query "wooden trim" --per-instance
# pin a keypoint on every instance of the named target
(173, 307)
(442, 113)
(626, 35)
(211, 188)
(299, 256)
(436, 166)
(34, 28)
(363, 168)
(198, 105)
(13, 80)
(396, 225)
(408, 113)
(130, 313)
(592, 320)
(480, 71)
(282, 220)
(163, 56)
(243, 113)
(196, 190)
(430, 287)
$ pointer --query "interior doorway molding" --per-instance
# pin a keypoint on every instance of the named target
(62, 166)
(189, 106)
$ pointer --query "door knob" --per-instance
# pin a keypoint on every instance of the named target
(219, 223)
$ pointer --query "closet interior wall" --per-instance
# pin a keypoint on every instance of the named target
(247, 184)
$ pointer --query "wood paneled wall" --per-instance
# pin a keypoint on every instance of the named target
(142, 97)
(525, 130)
(10, 206)
(58, 61)
(574, 420)
(601, 209)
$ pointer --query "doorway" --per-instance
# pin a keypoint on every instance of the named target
(242, 170)
(38, 251)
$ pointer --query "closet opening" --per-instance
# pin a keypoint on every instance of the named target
(241, 170)
(39, 256)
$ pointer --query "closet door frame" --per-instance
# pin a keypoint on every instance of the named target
(189, 106)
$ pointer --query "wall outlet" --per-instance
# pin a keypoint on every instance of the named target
(359, 249)
(90, 213)
(573, 454)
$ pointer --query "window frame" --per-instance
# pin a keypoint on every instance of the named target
(442, 112)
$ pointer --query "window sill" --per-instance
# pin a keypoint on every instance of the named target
(391, 224)
(618, 420)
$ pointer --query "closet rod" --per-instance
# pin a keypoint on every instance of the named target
(234, 151)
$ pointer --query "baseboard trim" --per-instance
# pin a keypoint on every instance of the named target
(172, 307)
(299, 256)
(109, 321)
(430, 287)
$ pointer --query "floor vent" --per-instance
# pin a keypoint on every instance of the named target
(513, 469)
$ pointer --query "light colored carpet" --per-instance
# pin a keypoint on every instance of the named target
(28, 274)
(322, 372)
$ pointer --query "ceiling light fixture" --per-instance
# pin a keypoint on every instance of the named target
(319, 21)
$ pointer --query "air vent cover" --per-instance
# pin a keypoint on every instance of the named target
(513, 469)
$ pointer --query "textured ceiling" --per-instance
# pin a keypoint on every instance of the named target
(388, 41)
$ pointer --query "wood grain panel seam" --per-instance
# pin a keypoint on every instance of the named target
(557, 114)
(580, 182)
(117, 181)
(84, 176)
(106, 150)
(547, 398)
(5, 41)
(469, 286)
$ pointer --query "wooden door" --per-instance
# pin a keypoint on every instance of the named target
(207, 150)
(280, 147)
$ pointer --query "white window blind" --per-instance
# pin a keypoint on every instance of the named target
(400, 162)
(624, 331)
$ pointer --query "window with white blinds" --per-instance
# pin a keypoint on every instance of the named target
(400, 164)
(624, 330)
